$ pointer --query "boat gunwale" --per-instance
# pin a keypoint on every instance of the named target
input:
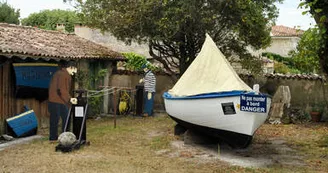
(168, 96)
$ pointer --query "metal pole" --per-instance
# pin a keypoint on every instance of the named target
(114, 107)
(68, 117)
(83, 121)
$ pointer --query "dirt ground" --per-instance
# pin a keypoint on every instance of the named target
(148, 145)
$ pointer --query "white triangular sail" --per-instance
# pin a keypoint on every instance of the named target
(209, 72)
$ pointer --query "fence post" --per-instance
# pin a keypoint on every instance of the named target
(114, 107)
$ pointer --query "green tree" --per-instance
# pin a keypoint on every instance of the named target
(175, 30)
(319, 10)
(134, 61)
(9, 14)
(306, 57)
(48, 19)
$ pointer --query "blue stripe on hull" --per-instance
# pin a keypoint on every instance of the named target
(168, 96)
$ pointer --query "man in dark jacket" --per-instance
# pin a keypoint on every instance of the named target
(60, 99)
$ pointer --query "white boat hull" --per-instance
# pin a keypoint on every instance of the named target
(209, 113)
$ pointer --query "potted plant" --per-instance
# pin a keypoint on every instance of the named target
(316, 112)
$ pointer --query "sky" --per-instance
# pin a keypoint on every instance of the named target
(289, 14)
(31, 6)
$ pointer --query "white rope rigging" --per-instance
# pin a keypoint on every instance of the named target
(106, 91)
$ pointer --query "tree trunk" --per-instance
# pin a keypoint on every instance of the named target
(323, 52)
(324, 58)
(183, 57)
(187, 52)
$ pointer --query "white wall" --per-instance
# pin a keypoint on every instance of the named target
(282, 45)
(279, 45)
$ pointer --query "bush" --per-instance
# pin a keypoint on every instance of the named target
(289, 62)
(282, 64)
(135, 62)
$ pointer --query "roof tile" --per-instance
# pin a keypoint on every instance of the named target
(290, 76)
(284, 31)
(38, 42)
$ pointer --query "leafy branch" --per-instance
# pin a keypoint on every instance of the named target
(135, 62)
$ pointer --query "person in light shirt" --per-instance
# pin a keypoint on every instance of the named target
(149, 90)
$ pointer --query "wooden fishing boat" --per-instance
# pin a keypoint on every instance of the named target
(212, 99)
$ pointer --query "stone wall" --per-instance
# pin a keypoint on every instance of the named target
(163, 83)
(304, 90)
(107, 39)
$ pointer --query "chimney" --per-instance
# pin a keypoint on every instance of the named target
(60, 27)
(82, 30)
(78, 27)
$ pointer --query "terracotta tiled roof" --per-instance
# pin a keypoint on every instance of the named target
(29, 41)
(284, 31)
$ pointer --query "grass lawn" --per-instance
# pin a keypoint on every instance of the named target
(145, 145)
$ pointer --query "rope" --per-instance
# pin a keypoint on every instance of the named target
(106, 91)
